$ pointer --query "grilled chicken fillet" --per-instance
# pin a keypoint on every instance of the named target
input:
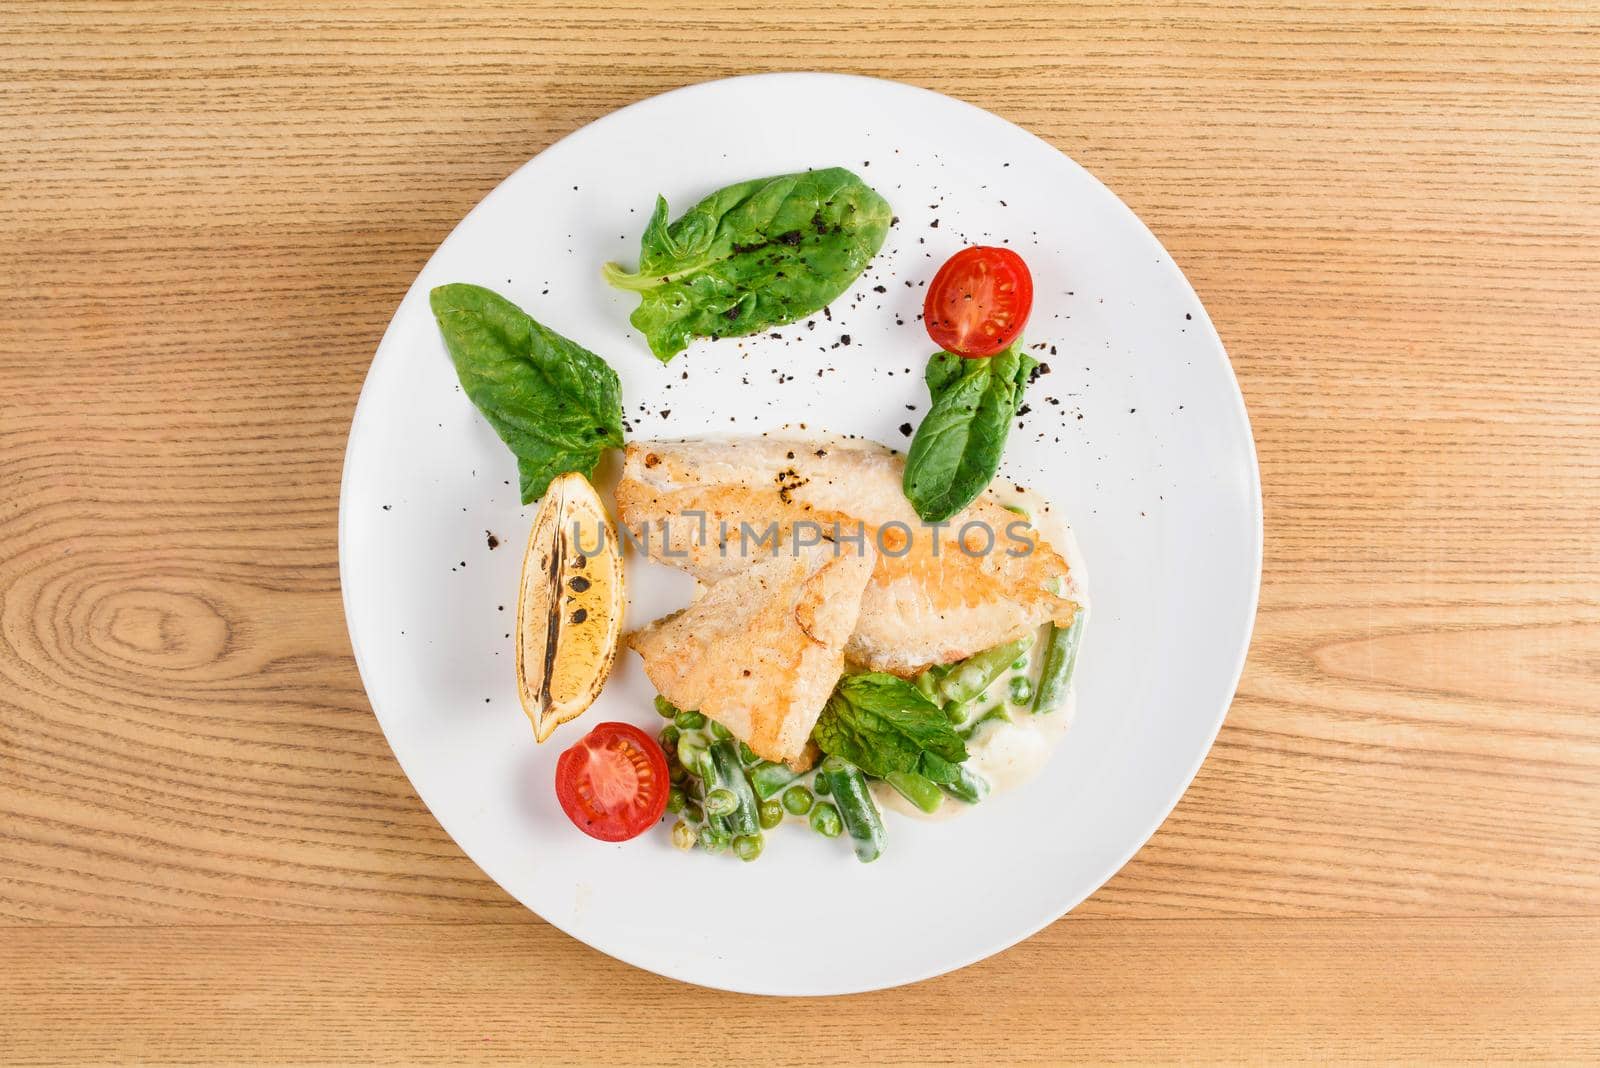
(928, 600)
(761, 650)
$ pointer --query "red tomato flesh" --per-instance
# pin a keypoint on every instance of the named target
(979, 301)
(613, 784)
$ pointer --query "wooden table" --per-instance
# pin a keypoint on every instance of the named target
(207, 215)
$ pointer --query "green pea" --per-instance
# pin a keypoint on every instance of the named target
(676, 800)
(676, 771)
(690, 753)
(665, 708)
(1020, 663)
(689, 721)
(683, 835)
(720, 802)
(747, 756)
(669, 739)
(719, 732)
(770, 813)
(797, 799)
(820, 785)
(694, 788)
(693, 812)
(968, 677)
(748, 846)
(825, 820)
(1021, 690)
(713, 840)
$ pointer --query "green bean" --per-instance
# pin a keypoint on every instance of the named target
(797, 799)
(996, 712)
(825, 820)
(1060, 657)
(856, 808)
(720, 802)
(676, 799)
(967, 785)
(714, 839)
(748, 846)
(723, 759)
(689, 721)
(960, 713)
(771, 813)
(665, 708)
(973, 675)
(714, 833)
(927, 684)
(820, 786)
(918, 789)
(683, 835)
(768, 779)
(718, 731)
(1020, 690)
(718, 831)
(747, 756)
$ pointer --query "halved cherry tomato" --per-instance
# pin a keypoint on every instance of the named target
(613, 784)
(979, 301)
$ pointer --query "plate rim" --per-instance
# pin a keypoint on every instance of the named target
(364, 406)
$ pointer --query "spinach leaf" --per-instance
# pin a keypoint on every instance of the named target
(753, 255)
(956, 451)
(555, 404)
(883, 724)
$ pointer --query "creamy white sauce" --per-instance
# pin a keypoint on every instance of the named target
(1008, 752)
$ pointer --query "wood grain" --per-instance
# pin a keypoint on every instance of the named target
(1099, 990)
(208, 213)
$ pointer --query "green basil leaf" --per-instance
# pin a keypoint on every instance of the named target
(750, 256)
(883, 724)
(554, 403)
(956, 450)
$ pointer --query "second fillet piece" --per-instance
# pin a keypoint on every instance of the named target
(760, 650)
(936, 594)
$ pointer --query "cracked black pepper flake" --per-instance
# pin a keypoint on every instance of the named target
(494, 542)
(905, 428)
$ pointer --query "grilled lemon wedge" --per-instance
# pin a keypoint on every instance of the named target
(569, 610)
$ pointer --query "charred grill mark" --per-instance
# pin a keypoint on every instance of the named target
(552, 632)
(788, 481)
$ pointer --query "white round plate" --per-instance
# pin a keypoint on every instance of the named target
(1138, 435)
